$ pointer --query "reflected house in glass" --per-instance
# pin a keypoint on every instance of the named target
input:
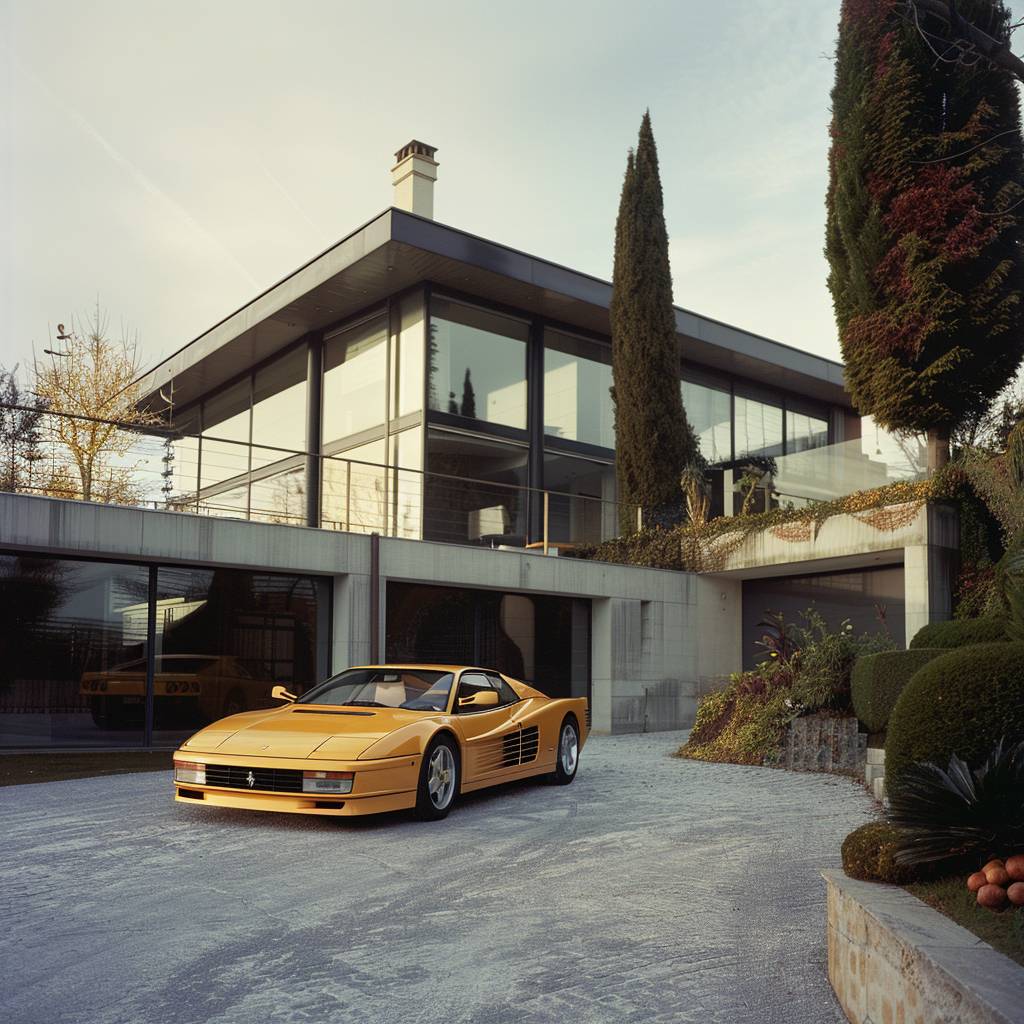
(415, 380)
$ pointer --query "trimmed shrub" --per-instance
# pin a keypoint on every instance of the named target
(961, 703)
(960, 633)
(869, 854)
(879, 679)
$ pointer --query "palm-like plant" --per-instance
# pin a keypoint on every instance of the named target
(960, 814)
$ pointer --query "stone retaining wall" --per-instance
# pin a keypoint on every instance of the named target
(819, 743)
(894, 960)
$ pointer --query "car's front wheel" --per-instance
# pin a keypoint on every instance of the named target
(439, 780)
(567, 757)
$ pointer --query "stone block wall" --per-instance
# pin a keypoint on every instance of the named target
(820, 743)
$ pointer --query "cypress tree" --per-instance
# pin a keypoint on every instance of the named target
(653, 439)
(923, 233)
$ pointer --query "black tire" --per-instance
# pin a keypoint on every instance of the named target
(434, 803)
(567, 753)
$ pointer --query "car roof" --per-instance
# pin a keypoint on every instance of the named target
(429, 667)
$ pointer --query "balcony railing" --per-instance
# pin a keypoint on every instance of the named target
(230, 478)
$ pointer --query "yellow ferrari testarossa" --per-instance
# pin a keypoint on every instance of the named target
(383, 738)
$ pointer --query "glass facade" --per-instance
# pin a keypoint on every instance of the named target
(804, 432)
(279, 408)
(477, 363)
(709, 411)
(577, 396)
(408, 356)
(353, 496)
(581, 503)
(758, 428)
(355, 378)
(474, 490)
(74, 655)
(225, 453)
(542, 640)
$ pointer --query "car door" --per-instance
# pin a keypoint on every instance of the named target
(490, 735)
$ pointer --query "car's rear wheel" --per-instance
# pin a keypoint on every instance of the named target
(439, 780)
(567, 756)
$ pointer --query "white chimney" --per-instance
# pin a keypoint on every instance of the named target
(413, 176)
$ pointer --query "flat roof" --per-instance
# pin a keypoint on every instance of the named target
(398, 249)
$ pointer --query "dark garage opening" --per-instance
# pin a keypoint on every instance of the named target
(540, 639)
(872, 599)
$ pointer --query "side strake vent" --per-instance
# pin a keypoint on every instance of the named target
(588, 716)
(520, 747)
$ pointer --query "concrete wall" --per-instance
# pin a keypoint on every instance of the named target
(658, 638)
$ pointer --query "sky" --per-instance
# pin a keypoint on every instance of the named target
(171, 161)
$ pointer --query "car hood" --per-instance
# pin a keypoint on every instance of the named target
(301, 731)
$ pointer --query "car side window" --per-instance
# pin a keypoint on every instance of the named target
(506, 695)
(470, 683)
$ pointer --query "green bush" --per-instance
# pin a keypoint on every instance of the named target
(961, 703)
(879, 679)
(960, 633)
(868, 854)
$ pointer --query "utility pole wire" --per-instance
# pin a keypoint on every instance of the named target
(970, 42)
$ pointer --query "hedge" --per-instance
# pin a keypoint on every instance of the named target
(879, 679)
(960, 703)
(868, 853)
(960, 633)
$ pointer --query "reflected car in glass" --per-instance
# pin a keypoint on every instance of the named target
(188, 689)
(383, 738)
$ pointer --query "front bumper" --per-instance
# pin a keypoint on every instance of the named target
(377, 786)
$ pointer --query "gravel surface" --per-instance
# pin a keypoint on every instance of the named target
(651, 890)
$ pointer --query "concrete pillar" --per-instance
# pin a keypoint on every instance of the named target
(601, 665)
(928, 573)
(350, 637)
(719, 629)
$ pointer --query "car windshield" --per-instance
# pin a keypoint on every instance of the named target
(413, 689)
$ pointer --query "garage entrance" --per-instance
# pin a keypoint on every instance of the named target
(541, 639)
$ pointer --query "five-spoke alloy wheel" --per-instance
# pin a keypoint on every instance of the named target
(439, 780)
(568, 753)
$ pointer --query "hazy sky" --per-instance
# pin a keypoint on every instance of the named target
(174, 159)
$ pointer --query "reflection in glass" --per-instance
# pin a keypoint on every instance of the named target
(226, 636)
(407, 361)
(230, 503)
(577, 400)
(758, 428)
(279, 408)
(280, 498)
(406, 488)
(709, 413)
(581, 501)
(184, 463)
(485, 502)
(226, 418)
(354, 490)
(539, 639)
(354, 380)
(477, 363)
(69, 628)
(804, 432)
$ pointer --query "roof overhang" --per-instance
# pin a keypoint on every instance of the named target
(397, 250)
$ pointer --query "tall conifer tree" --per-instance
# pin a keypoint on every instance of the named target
(923, 233)
(653, 439)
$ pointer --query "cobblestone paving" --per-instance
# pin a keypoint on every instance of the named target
(651, 890)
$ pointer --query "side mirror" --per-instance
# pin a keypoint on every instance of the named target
(480, 699)
(280, 693)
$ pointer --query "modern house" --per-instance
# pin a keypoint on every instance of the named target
(434, 409)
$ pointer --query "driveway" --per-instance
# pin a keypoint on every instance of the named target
(651, 890)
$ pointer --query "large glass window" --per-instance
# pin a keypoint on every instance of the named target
(407, 484)
(225, 637)
(71, 646)
(577, 400)
(407, 360)
(758, 428)
(355, 376)
(477, 363)
(280, 498)
(354, 489)
(225, 449)
(279, 408)
(581, 499)
(710, 414)
(804, 432)
(475, 490)
(184, 463)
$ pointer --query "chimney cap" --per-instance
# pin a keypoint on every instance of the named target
(415, 148)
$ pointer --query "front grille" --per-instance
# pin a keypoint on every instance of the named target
(273, 780)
